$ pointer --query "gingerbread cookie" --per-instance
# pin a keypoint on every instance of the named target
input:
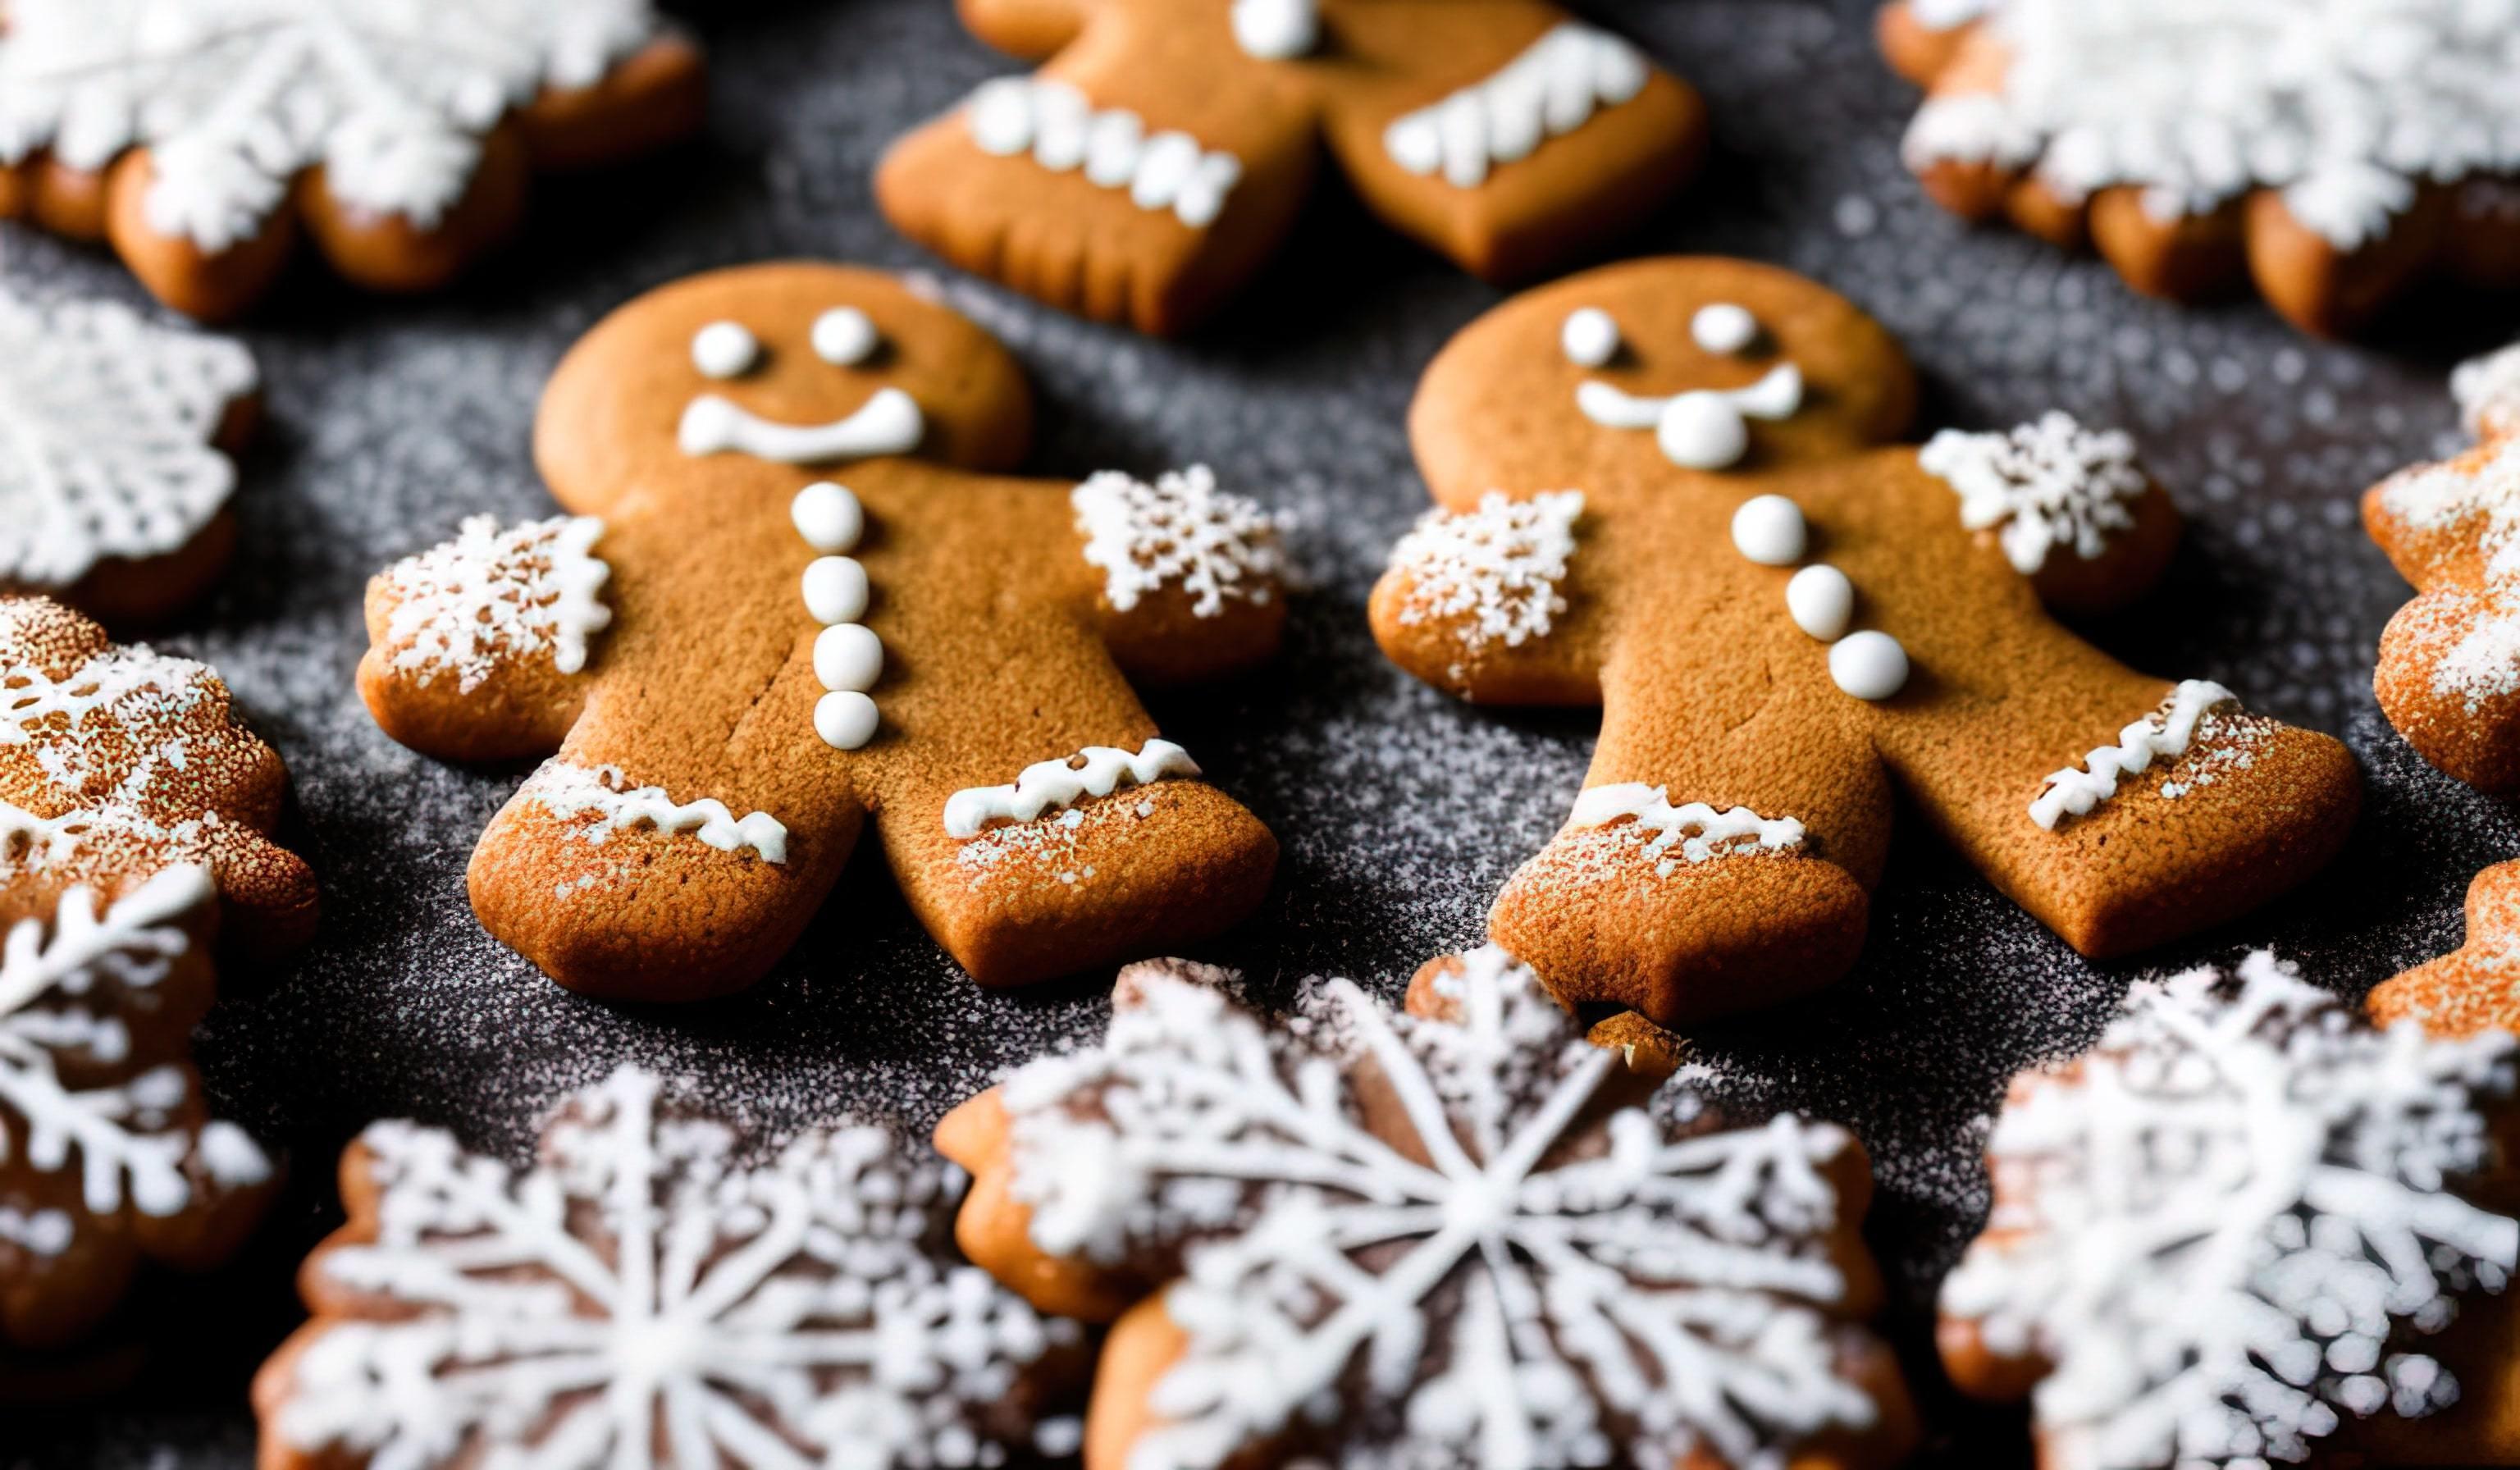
(647, 1293)
(2241, 1227)
(119, 762)
(1460, 1235)
(200, 136)
(108, 1157)
(791, 599)
(2448, 675)
(1153, 163)
(115, 445)
(1669, 488)
(2333, 153)
(2473, 988)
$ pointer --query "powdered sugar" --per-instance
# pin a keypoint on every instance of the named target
(2046, 484)
(2488, 392)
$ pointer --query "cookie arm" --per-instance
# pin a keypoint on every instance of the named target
(1183, 578)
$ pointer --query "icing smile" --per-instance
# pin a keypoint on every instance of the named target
(889, 423)
(1703, 428)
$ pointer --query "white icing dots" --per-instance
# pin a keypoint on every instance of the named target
(1053, 122)
(849, 659)
(1277, 31)
(1493, 571)
(1702, 429)
(2049, 484)
(1821, 600)
(835, 589)
(1589, 338)
(1869, 665)
(1553, 88)
(845, 337)
(847, 720)
(2163, 734)
(1769, 529)
(1055, 785)
(1180, 532)
(829, 517)
(1723, 329)
(605, 794)
(725, 350)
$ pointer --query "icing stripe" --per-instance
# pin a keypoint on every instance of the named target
(566, 791)
(1697, 829)
(1049, 784)
(1553, 88)
(2075, 792)
(1053, 122)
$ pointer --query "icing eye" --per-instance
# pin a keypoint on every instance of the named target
(1590, 336)
(1724, 328)
(724, 350)
(844, 337)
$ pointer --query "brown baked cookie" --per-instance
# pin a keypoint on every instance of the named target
(108, 1157)
(2473, 988)
(2249, 1229)
(1667, 488)
(2448, 675)
(1458, 1235)
(119, 762)
(1156, 162)
(769, 622)
(657, 1291)
(2258, 141)
(201, 137)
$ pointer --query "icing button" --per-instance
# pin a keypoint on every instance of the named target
(1822, 601)
(724, 350)
(1722, 328)
(835, 589)
(1275, 30)
(844, 337)
(1590, 337)
(1702, 431)
(1869, 665)
(829, 517)
(845, 719)
(848, 657)
(1769, 529)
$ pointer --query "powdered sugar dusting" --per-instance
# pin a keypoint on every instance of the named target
(496, 596)
(1492, 572)
(2488, 392)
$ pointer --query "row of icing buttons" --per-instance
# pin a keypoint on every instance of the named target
(848, 657)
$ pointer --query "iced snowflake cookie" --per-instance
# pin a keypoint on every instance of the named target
(118, 762)
(1460, 1235)
(792, 599)
(2332, 151)
(1151, 167)
(654, 1292)
(1670, 488)
(201, 137)
(2246, 1228)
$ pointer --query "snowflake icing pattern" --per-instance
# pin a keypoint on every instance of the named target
(2214, 1225)
(639, 1299)
(1495, 1286)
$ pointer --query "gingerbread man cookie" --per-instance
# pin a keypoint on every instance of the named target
(2248, 1228)
(202, 136)
(1460, 1235)
(2333, 153)
(1669, 488)
(792, 600)
(1151, 166)
(646, 1295)
(2475, 987)
(2448, 675)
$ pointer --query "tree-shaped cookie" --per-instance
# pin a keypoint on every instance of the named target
(653, 1291)
(1152, 165)
(792, 601)
(1456, 1236)
(108, 1156)
(2333, 153)
(115, 445)
(119, 762)
(201, 137)
(2448, 675)
(2244, 1224)
(1668, 488)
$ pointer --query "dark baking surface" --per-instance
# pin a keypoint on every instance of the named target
(1401, 810)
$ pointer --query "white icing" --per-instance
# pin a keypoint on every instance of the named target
(2477, 495)
(642, 1299)
(2162, 734)
(234, 98)
(847, 720)
(845, 337)
(1494, 570)
(2488, 392)
(2049, 484)
(2344, 105)
(1055, 785)
(835, 589)
(106, 422)
(1724, 328)
(1591, 337)
(1551, 89)
(848, 657)
(889, 423)
(1702, 429)
(1277, 31)
(492, 596)
(1509, 1303)
(134, 682)
(1769, 529)
(2220, 1225)
(1869, 665)
(44, 1233)
(829, 517)
(568, 792)
(1181, 531)
(1820, 600)
(1053, 122)
(725, 350)
(1698, 831)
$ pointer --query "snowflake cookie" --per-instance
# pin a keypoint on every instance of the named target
(107, 1156)
(2319, 146)
(200, 136)
(1163, 149)
(654, 1292)
(2229, 1230)
(115, 445)
(1456, 1236)
(1673, 489)
(794, 600)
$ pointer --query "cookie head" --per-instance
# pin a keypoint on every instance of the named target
(1624, 376)
(775, 373)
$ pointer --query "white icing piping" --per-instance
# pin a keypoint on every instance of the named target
(1179, 531)
(1046, 785)
(45, 1233)
(889, 423)
(2075, 792)
(1701, 428)
(81, 937)
(1061, 130)
(28, 696)
(2049, 484)
(1553, 88)
(1497, 568)
(569, 792)
(495, 592)
(1700, 831)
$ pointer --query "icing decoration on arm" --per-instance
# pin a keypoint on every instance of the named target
(1046, 785)
(725, 350)
(568, 792)
(1053, 122)
(2217, 1227)
(889, 423)
(1699, 831)
(1591, 337)
(1179, 531)
(1277, 31)
(2488, 392)
(105, 430)
(491, 596)
(1701, 428)
(1553, 88)
(2165, 734)
(643, 1296)
(2049, 484)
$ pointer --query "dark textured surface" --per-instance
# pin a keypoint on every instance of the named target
(1401, 810)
